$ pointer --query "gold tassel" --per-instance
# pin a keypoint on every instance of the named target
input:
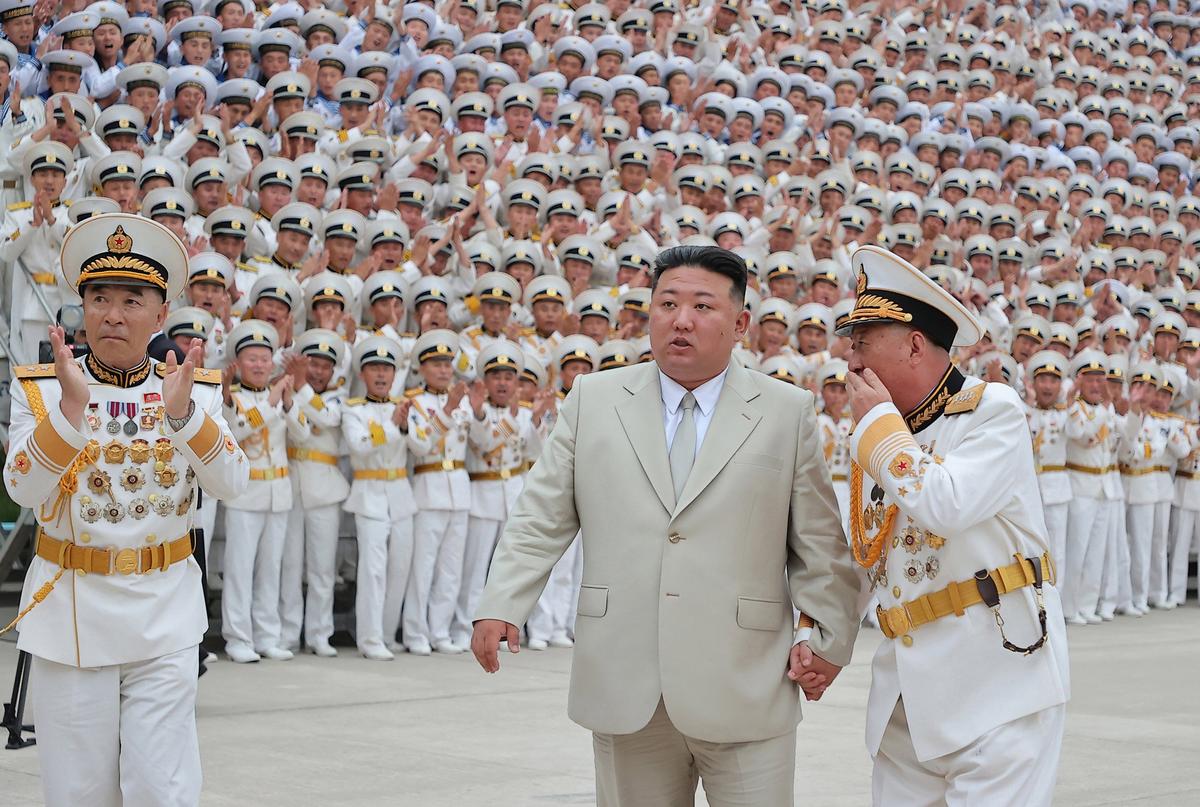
(39, 595)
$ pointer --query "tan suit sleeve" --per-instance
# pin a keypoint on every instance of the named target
(820, 568)
(542, 525)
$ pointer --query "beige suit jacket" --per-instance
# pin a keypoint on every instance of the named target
(690, 601)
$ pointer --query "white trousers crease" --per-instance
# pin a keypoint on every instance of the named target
(118, 736)
(385, 552)
(438, 540)
(253, 558)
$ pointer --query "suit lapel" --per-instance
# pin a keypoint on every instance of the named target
(732, 421)
(642, 418)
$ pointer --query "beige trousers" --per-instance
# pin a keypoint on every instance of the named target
(659, 766)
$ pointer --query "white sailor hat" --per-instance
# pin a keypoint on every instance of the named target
(210, 267)
(119, 165)
(288, 84)
(501, 354)
(782, 368)
(382, 286)
(522, 252)
(273, 171)
(277, 40)
(168, 202)
(251, 333)
(120, 119)
(1089, 361)
(1145, 372)
(547, 288)
(430, 288)
(320, 19)
(316, 166)
(328, 287)
(83, 109)
(813, 315)
(236, 39)
(197, 27)
(189, 321)
(323, 344)
(67, 61)
(126, 250)
(330, 55)
(206, 169)
(439, 343)
(358, 177)
(776, 309)
(191, 76)
(277, 285)
(387, 231)
(297, 217)
(496, 287)
(355, 91)
(306, 125)
(636, 300)
(89, 206)
(890, 289)
(143, 74)
(144, 26)
(595, 303)
(344, 223)
(577, 347)
(232, 220)
(48, 154)
(833, 371)
(616, 353)
(1047, 362)
(532, 369)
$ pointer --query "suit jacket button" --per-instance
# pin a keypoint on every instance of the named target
(674, 537)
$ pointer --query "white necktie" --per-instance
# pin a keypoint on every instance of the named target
(683, 447)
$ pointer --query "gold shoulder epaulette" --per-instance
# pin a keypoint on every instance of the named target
(413, 393)
(966, 401)
(245, 267)
(355, 401)
(206, 375)
(528, 331)
(261, 259)
(34, 371)
(409, 335)
(526, 405)
(66, 203)
(1061, 407)
(20, 205)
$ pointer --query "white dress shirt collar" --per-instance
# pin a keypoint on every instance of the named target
(706, 394)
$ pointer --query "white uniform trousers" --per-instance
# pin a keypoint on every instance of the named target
(1014, 763)
(385, 553)
(253, 557)
(438, 540)
(1056, 528)
(1159, 590)
(291, 579)
(321, 528)
(1185, 538)
(206, 519)
(482, 535)
(1115, 590)
(1140, 524)
(554, 614)
(1087, 533)
(841, 490)
(118, 736)
(657, 765)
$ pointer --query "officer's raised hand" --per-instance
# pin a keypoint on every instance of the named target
(75, 395)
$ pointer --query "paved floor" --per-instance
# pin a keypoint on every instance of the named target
(436, 731)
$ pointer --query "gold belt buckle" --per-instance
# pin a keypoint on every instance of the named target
(505, 473)
(897, 620)
(447, 465)
(391, 474)
(125, 561)
(269, 474)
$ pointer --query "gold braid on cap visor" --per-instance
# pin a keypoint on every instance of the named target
(119, 263)
(872, 306)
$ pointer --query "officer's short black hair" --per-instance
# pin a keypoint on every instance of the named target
(714, 259)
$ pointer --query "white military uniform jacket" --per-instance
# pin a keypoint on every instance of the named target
(263, 431)
(835, 444)
(37, 249)
(443, 439)
(1187, 473)
(379, 448)
(941, 465)
(499, 447)
(126, 492)
(1048, 428)
(316, 478)
(1148, 459)
(1091, 461)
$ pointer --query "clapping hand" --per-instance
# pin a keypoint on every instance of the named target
(75, 394)
(177, 380)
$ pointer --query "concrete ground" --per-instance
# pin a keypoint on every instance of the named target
(437, 731)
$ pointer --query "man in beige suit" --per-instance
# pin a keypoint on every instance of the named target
(706, 512)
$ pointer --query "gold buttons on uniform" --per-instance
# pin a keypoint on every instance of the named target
(674, 537)
(85, 537)
(906, 640)
(896, 592)
(150, 539)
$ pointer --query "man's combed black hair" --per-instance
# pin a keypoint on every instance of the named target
(714, 259)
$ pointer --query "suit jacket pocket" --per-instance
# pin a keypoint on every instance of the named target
(593, 600)
(757, 460)
(756, 614)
